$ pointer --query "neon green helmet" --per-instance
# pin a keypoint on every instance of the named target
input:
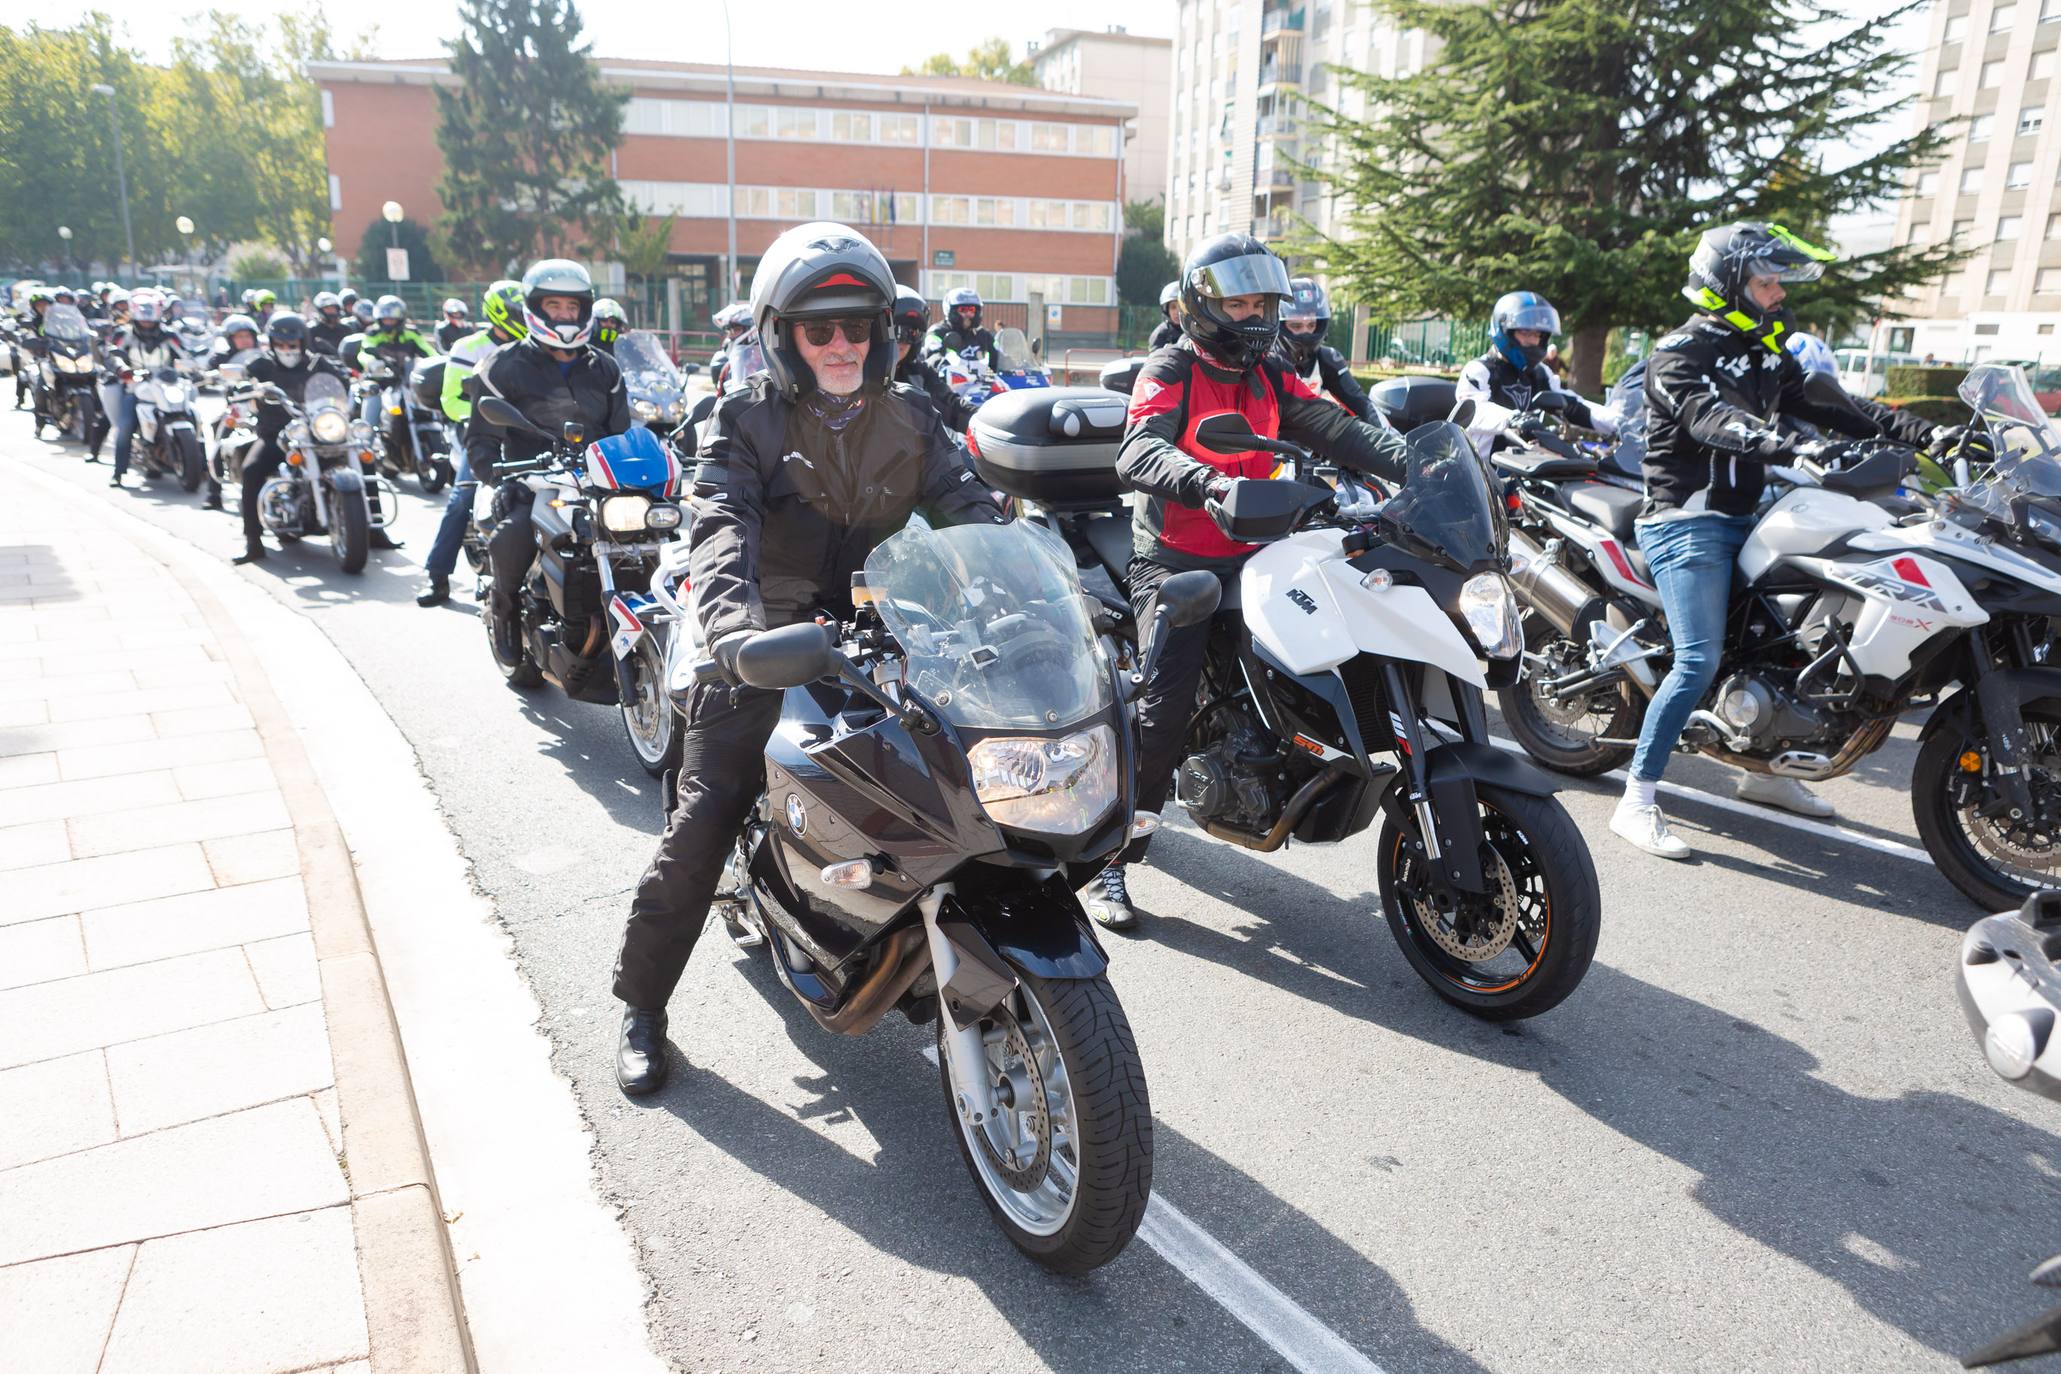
(610, 320)
(1728, 256)
(265, 298)
(502, 307)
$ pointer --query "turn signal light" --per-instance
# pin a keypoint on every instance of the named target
(293, 460)
(850, 873)
(1971, 762)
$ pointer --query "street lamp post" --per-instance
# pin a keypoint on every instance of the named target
(64, 232)
(121, 174)
(185, 227)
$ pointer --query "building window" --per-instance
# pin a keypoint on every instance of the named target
(851, 126)
(1920, 233)
(997, 135)
(2030, 120)
(2009, 227)
(1092, 215)
(328, 110)
(754, 121)
(1956, 29)
(2050, 11)
(335, 192)
(994, 212)
(1971, 180)
(2048, 283)
(951, 210)
(1979, 127)
(1992, 74)
(793, 123)
(951, 133)
(1049, 138)
(2002, 18)
(2018, 177)
(1928, 183)
(1999, 281)
(2042, 66)
(1943, 84)
(1963, 228)
(1992, 327)
(2054, 226)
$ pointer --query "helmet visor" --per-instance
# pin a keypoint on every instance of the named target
(1252, 274)
(1536, 315)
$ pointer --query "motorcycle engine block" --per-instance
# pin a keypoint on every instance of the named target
(1236, 780)
(1764, 711)
(281, 505)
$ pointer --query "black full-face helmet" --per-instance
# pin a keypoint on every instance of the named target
(1729, 256)
(814, 272)
(286, 334)
(911, 314)
(1220, 268)
(1305, 320)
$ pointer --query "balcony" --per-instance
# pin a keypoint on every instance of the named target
(1280, 74)
(1279, 21)
(1275, 126)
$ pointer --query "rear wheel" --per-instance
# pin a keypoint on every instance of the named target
(1994, 861)
(1065, 1163)
(648, 715)
(350, 533)
(433, 470)
(1565, 733)
(1522, 947)
(193, 464)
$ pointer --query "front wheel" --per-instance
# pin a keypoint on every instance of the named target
(350, 533)
(193, 464)
(1567, 734)
(1995, 862)
(648, 716)
(433, 470)
(1065, 1164)
(1523, 946)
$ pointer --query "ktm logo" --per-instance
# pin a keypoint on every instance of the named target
(1303, 599)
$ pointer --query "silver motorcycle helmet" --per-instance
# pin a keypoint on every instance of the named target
(821, 271)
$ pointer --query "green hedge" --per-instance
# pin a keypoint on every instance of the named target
(1923, 381)
(1940, 410)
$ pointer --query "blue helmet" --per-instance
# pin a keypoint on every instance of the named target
(1523, 310)
(1815, 355)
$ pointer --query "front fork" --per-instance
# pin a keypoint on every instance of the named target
(2003, 726)
(974, 1095)
(1452, 850)
(625, 688)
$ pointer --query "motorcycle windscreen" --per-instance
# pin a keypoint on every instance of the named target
(327, 409)
(66, 323)
(646, 368)
(2029, 442)
(991, 621)
(1447, 511)
(1013, 350)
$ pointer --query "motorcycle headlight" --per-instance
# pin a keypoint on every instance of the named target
(625, 514)
(330, 427)
(1055, 786)
(644, 410)
(676, 410)
(2043, 525)
(663, 518)
(1491, 615)
(72, 365)
(361, 433)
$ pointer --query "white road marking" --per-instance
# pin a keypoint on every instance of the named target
(1821, 829)
(1238, 1288)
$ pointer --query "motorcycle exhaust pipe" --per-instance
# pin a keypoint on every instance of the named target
(896, 971)
(1550, 589)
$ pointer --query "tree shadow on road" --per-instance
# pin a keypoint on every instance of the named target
(916, 1202)
(1928, 1208)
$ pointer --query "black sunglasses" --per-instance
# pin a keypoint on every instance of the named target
(820, 332)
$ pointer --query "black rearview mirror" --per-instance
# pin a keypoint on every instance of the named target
(496, 411)
(1463, 413)
(1551, 402)
(786, 657)
(1190, 597)
(1226, 432)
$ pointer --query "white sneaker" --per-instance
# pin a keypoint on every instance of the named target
(1787, 793)
(1645, 827)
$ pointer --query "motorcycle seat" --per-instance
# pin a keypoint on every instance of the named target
(1614, 508)
(1110, 537)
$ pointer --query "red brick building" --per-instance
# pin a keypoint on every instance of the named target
(1011, 190)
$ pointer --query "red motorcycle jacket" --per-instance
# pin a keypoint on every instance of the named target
(1175, 389)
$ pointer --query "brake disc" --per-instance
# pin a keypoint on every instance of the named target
(1489, 930)
(1021, 1175)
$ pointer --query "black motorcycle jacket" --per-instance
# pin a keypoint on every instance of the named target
(1175, 389)
(1328, 375)
(1715, 399)
(1167, 333)
(787, 508)
(1491, 378)
(449, 333)
(950, 339)
(325, 337)
(954, 410)
(548, 392)
(272, 416)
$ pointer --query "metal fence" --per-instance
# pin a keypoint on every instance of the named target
(1426, 343)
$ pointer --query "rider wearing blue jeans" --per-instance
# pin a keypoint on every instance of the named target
(502, 307)
(1716, 392)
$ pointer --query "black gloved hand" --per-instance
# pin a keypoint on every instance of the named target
(1970, 441)
(725, 655)
(1218, 490)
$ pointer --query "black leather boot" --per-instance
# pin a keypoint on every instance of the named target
(253, 552)
(640, 1052)
(436, 593)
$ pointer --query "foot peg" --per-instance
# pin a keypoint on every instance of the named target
(731, 909)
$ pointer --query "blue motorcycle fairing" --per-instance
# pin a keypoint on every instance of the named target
(635, 460)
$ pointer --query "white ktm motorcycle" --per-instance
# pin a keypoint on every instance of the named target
(1849, 615)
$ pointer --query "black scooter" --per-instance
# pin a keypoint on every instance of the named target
(949, 767)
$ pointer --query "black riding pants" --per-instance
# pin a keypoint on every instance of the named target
(260, 465)
(722, 771)
(512, 547)
(1166, 703)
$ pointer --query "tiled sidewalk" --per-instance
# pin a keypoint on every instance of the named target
(174, 1193)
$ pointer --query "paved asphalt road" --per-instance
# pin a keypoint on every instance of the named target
(1759, 1136)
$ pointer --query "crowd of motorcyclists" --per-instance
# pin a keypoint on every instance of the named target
(834, 420)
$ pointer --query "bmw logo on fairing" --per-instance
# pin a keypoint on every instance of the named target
(797, 815)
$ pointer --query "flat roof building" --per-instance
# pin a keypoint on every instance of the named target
(1118, 65)
(1011, 190)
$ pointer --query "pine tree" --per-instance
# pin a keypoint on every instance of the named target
(1578, 147)
(526, 135)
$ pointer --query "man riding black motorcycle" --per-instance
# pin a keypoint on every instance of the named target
(610, 320)
(962, 330)
(1168, 330)
(455, 326)
(1304, 322)
(804, 469)
(330, 327)
(1717, 390)
(502, 307)
(911, 320)
(1514, 372)
(554, 375)
(287, 363)
(136, 351)
(1232, 292)
(735, 322)
(28, 378)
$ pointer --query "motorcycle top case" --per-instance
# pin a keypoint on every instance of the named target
(636, 460)
(1053, 445)
(428, 381)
